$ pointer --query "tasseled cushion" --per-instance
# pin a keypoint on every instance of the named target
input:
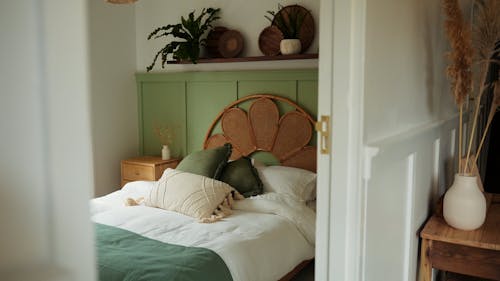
(196, 196)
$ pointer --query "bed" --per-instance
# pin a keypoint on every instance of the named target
(267, 237)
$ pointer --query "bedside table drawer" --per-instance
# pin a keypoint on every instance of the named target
(149, 168)
(163, 167)
(138, 172)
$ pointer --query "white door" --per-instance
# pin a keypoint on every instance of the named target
(45, 165)
(339, 171)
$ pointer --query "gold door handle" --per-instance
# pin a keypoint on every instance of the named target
(323, 128)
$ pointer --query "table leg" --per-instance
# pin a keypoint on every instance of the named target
(425, 263)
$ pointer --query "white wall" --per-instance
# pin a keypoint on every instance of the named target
(114, 98)
(242, 15)
(410, 119)
(22, 173)
(409, 173)
(405, 82)
(45, 168)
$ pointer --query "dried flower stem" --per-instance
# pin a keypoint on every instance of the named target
(484, 73)
(165, 134)
(490, 118)
(460, 134)
(494, 106)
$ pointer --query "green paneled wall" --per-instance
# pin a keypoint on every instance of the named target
(163, 103)
(204, 99)
(189, 101)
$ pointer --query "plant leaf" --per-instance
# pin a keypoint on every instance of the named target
(191, 29)
(150, 67)
(165, 28)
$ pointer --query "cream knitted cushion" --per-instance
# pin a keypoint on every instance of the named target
(193, 195)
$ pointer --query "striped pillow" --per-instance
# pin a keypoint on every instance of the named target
(192, 195)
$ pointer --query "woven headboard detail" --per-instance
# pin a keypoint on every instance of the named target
(262, 129)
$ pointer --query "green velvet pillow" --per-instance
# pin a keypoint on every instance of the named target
(208, 162)
(241, 175)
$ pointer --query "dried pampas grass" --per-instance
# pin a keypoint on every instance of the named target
(495, 105)
(486, 34)
(459, 35)
(459, 69)
(165, 133)
(487, 28)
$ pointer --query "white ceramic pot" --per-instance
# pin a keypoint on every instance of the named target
(464, 205)
(290, 46)
(165, 152)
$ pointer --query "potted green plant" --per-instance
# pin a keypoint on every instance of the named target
(190, 32)
(289, 21)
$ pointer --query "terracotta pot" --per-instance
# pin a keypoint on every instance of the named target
(290, 46)
(464, 205)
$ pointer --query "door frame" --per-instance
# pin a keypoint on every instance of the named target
(339, 231)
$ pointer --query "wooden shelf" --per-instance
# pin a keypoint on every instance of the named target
(247, 59)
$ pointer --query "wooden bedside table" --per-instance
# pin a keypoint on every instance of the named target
(475, 253)
(148, 168)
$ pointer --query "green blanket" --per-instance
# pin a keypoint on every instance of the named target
(124, 255)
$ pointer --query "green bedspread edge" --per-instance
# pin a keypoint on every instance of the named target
(125, 255)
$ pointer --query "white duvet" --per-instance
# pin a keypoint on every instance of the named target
(264, 239)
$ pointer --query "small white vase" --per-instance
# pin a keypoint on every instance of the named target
(464, 205)
(165, 152)
(290, 46)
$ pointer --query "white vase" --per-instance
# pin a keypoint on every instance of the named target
(165, 152)
(464, 205)
(290, 46)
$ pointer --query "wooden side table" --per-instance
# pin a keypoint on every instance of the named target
(145, 168)
(475, 253)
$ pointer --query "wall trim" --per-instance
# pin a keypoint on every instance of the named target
(369, 153)
(409, 213)
(411, 132)
(198, 76)
(435, 166)
(413, 167)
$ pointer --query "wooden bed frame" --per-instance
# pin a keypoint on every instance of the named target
(296, 270)
(286, 137)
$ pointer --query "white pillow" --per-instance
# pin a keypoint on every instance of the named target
(189, 194)
(257, 164)
(295, 182)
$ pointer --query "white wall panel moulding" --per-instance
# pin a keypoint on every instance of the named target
(121, 1)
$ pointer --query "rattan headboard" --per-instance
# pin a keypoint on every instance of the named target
(262, 129)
